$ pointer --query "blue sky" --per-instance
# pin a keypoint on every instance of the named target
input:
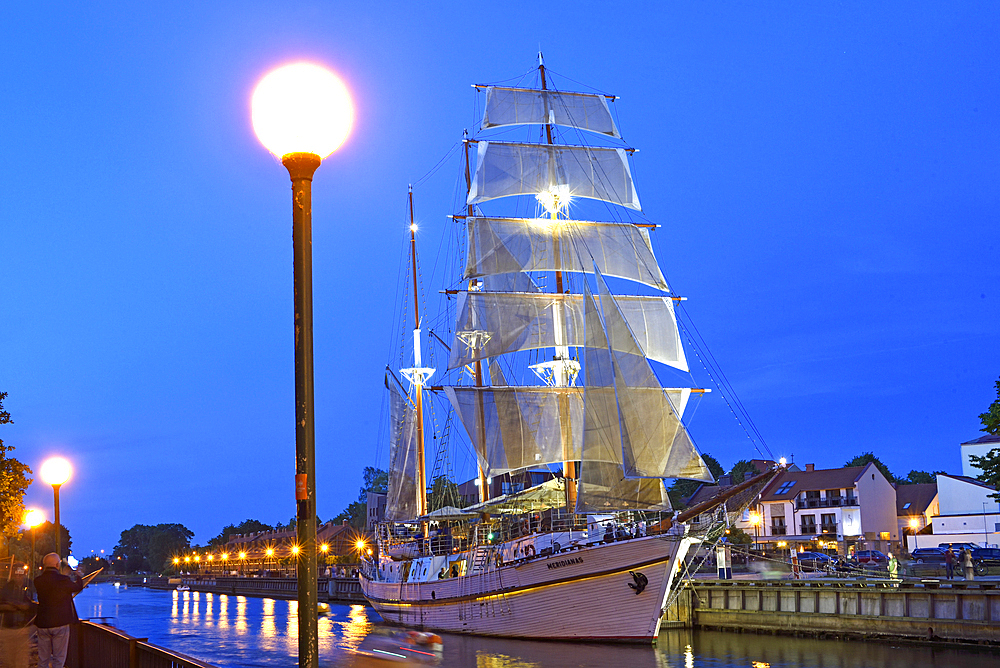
(826, 176)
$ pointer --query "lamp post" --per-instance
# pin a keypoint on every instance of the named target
(33, 517)
(56, 471)
(303, 113)
(756, 519)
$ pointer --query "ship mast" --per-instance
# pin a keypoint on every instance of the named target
(561, 371)
(419, 374)
(484, 491)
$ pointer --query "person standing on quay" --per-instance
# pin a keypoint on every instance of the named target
(55, 612)
(949, 562)
(893, 567)
(967, 563)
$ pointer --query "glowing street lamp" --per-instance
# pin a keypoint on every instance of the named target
(56, 471)
(33, 517)
(302, 113)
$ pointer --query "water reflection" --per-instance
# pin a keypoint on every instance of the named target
(241, 614)
(233, 631)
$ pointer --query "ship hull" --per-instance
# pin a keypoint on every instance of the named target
(583, 594)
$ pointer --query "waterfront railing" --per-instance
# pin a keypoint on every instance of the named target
(99, 646)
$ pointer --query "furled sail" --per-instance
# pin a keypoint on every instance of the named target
(401, 500)
(526, 106)
(602, 485)
(505, 169)
(517, 427)
(496, 323)
(508, 245)
(655, 443)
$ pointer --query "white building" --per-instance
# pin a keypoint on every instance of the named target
(966, 514)
(979, 447)
(847, 507)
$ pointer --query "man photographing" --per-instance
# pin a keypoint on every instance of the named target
(55, 612)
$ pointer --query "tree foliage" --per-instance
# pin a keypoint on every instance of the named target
(919, 478)
(14, 482)
(867, 457)
(444, 492)
(150, 548)
(356, 514)
(740, 468)
(683, 489)
(989, 464)
(45, 542)
(245, 527)
(991, 418)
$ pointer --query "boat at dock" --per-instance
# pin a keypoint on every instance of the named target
(563, 331)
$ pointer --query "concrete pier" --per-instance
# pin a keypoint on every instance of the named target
(935, 611)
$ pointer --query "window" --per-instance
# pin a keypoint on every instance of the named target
(777, 526)
(785, 487)
(829, 523)
(884, 535)
(906, 506)
(808, 525)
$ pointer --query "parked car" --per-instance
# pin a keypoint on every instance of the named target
(871, 558)
(818, 561)
(928, 555)
(984, 558)
(957, 547)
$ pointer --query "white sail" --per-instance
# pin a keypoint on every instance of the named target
(655, 443)
(401, 500)
(508, 245)
(528, 106)
(496, 323)
(505, 169)
(517, 427)
(603, 485)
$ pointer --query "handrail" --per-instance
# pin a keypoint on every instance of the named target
(98, 646)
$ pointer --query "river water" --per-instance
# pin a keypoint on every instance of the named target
(250, 632)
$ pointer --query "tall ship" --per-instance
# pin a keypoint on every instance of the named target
(560, 331)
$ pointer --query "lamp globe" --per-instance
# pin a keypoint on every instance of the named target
(302, 108)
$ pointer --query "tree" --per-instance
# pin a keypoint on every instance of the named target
(243, 528)
(738, 536)
(991, 418)
(14, 482)
(444, 492)
(989, 464)
(356, 514)
(919, 478)
(739, 469)
(150, 548)
(865, 458)
(92, 563)
(683, 489)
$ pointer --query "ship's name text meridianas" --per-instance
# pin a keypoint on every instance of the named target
(565, 562)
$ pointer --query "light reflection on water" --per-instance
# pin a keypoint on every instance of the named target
(234, 631)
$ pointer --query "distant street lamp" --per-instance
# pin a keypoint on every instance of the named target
(56, 471)
(302, 113)
(756, 519)
(33, 517)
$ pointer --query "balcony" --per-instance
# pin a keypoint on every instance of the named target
(828, 528)
(835, 502)
(808, 530)
(777, 531)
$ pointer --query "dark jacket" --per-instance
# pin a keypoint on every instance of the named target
(55, 599)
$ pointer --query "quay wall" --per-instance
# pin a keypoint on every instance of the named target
(957, 612)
